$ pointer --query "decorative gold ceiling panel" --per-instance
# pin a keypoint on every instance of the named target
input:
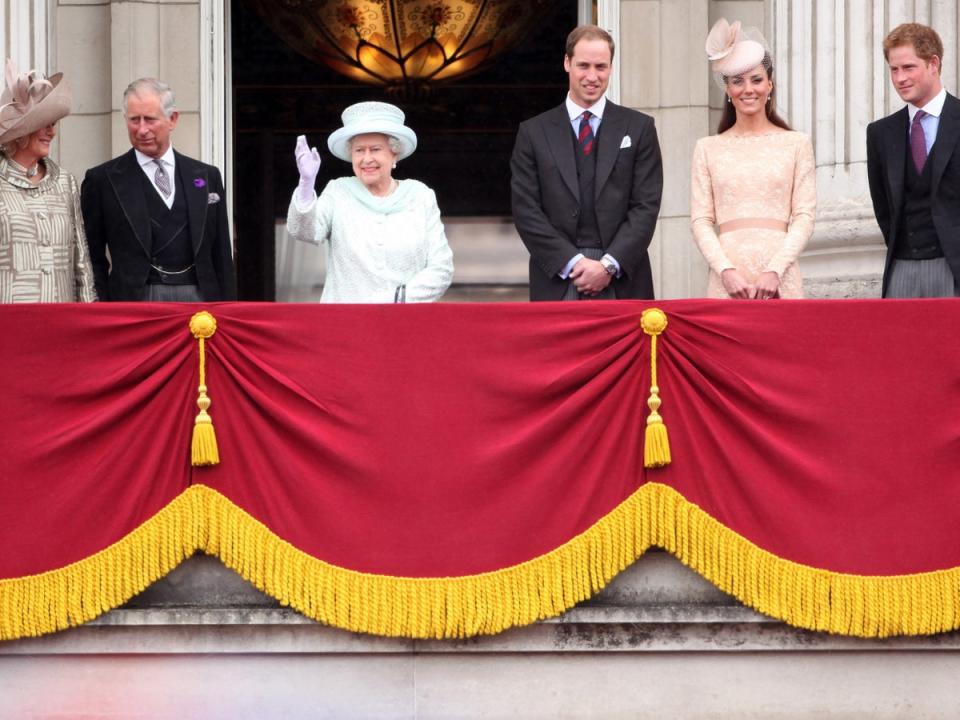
(401, 43)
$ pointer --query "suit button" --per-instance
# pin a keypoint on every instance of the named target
(576, 213)
(46, 271)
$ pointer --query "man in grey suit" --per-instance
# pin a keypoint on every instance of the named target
(586, 185)
(913, 165)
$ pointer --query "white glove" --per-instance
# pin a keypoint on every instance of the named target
(308, 163)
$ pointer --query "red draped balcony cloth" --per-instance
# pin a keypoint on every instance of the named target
(450, 470)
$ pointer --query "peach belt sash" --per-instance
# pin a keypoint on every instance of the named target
(760, 223)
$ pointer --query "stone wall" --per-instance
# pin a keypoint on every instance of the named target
(830, 74)
(102, 46)
(659, 642)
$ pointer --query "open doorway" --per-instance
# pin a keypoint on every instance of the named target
(466, 130)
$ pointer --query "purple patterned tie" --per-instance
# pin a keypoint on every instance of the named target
(585, 136)
(918, 142)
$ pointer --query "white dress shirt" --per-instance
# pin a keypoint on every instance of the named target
(575, 111)
(149, 167)
(930, 123)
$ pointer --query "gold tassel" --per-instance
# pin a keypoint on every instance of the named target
(656, 446)
(204, 449)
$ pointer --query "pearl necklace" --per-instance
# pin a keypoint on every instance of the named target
(30, 172)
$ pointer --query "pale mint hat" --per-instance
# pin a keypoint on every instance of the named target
(372, 117)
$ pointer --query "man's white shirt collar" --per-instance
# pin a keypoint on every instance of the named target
(934, 107)
(167, 157)
(575, 111)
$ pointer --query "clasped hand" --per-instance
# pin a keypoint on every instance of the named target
(766, 287)
(589, 276)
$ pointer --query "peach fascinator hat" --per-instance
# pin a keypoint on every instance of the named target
(733, 50)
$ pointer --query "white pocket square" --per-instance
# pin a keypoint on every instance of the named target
(213, 198)
(625, 143)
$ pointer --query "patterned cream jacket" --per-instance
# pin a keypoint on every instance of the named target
(43, 249)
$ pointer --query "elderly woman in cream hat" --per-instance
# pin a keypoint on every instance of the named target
(385, 242)
(43, 250)
(753, 192)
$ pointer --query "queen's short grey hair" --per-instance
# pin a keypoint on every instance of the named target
(392, 142)
(152, 86)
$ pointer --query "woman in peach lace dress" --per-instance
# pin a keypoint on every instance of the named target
(753, 192)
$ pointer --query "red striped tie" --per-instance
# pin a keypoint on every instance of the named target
(585, 136)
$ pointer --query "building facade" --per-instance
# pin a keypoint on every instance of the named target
(659, 642)
(830, 75)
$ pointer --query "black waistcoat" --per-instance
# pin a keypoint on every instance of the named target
(171, 248)
(917, 236)
(588, 231)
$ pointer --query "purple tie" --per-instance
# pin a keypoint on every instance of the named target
(585, 136)
(918, 142)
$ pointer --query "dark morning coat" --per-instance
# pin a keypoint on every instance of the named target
(546, 202)
(115, 216)
(886, 157)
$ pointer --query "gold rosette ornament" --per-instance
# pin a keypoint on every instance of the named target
(656, 446)
(203, 449)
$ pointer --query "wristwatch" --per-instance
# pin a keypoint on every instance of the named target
(608, 265)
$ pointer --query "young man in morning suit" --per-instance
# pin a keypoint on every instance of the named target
(913, 164)
(586, 185)
(162, 215)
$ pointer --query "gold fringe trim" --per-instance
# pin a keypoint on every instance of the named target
(79, 592)
(455, 607)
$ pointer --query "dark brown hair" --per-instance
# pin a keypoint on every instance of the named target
(588, 32)
(728, 117)
(926, 43)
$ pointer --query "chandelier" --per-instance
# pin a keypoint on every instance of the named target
(402, 44)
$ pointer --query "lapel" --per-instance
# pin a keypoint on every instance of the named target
(196, 189)
(559, 134)
(948, 132)
(126, 184)
(613, 127)
(896, 142)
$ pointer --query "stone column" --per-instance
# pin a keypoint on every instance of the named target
(83, 49)
(662, 73)
(832, 82)
(23, 34)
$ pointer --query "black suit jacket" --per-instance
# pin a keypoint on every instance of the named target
(886, 158)
(115, 216)
(546, 197)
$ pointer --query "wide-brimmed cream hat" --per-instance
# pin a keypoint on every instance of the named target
(30, 102)
(372, 117)
(733, 49)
